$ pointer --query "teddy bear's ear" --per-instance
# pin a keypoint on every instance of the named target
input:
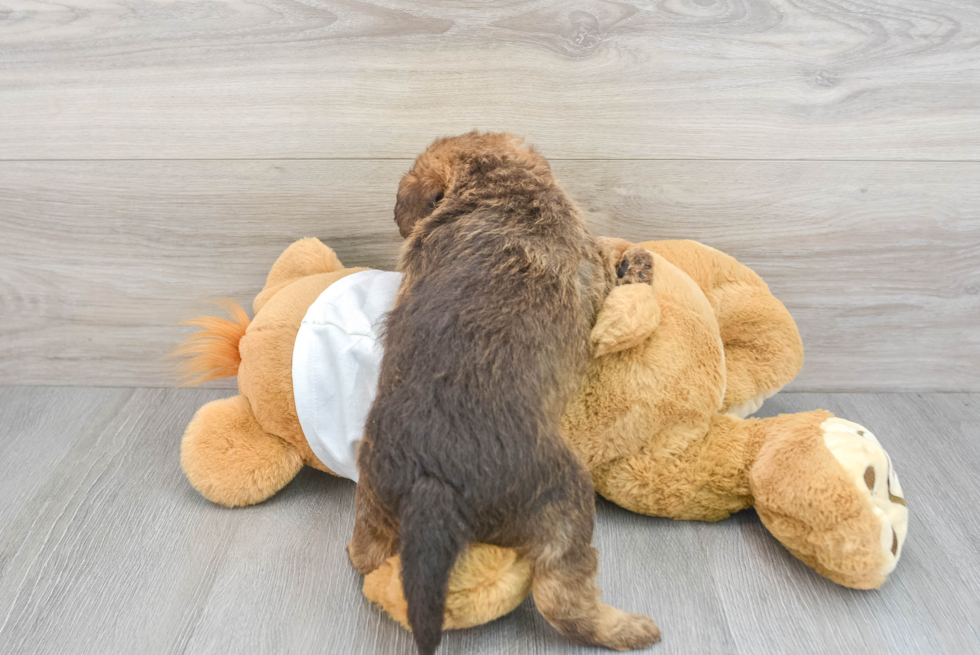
(418, 196)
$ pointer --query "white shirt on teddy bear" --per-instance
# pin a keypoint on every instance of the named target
(336, 361)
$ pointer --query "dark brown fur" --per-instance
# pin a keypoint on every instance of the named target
(486, 342)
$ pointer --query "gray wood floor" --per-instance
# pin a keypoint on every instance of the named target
(106, 549)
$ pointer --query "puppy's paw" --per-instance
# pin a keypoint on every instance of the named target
(635, 267)
(626, 631)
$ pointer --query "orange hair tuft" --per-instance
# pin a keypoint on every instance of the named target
(212, 353)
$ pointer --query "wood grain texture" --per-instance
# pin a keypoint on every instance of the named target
(108, 555)
(770, 79)
(108, 550)
(878, 261)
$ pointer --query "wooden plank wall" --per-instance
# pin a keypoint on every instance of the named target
(154, 155)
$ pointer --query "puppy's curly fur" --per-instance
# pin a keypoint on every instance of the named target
(487, 339)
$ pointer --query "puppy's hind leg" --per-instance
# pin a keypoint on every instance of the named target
(565, 592)
(375, 536)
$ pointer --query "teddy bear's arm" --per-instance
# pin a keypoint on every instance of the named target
(627, 318)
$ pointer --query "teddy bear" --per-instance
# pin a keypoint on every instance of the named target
(660, 418)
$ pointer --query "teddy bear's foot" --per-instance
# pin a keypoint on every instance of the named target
(230, 459)
(827, 490)
(870, 470)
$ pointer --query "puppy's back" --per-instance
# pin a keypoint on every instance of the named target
(483, 347)
(481, 352)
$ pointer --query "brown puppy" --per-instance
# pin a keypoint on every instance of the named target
(488, 338)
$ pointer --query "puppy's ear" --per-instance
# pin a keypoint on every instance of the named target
(417, 198)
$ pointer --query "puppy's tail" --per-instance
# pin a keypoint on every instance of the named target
(212, 352)
(432, 534)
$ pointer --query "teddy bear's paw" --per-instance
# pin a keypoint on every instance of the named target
(635, 267)
(870, 469)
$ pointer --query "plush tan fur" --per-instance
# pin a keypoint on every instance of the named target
(221, 445)
(839, 539)
(763, 350)
(649, 421)
(230, 459)
(487, 583)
